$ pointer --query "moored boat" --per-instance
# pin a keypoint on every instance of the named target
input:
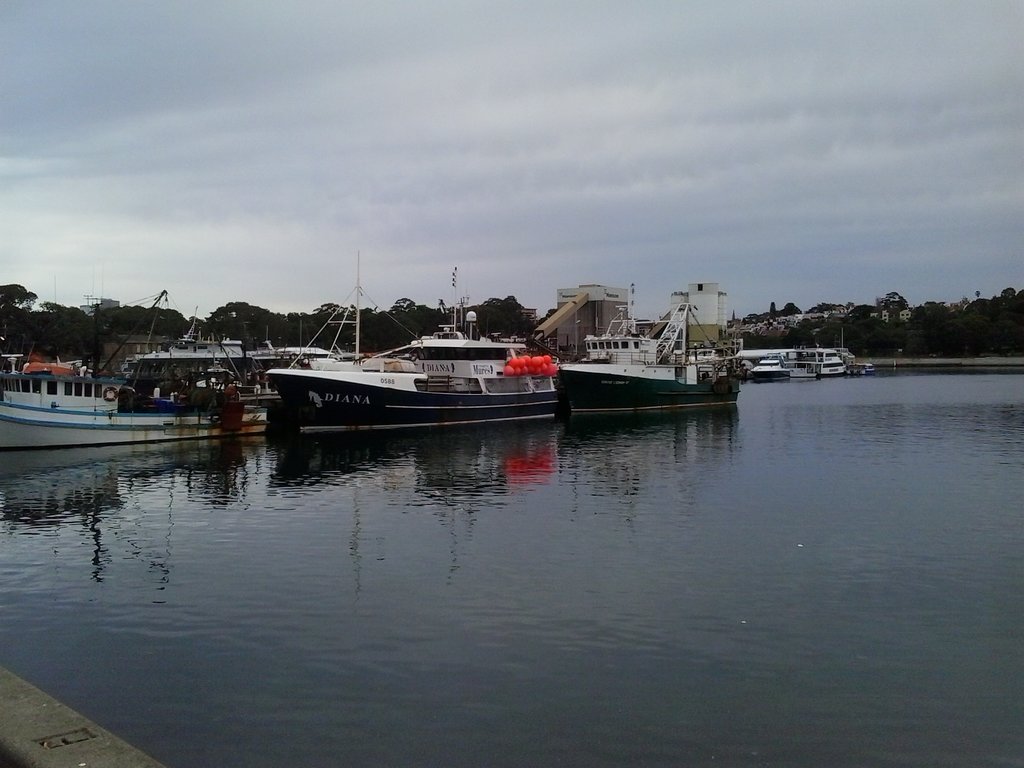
(803, 373)
(60, 408)
(861, 369)
(189, 358)
(450, 377)
(823, 361)
(770, 368)
(626, 371)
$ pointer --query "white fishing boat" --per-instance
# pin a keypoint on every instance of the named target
(626, 371)
(55, 406)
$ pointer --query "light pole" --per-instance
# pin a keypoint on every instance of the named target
(576, 343)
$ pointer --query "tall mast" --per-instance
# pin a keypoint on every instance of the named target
(359, 290)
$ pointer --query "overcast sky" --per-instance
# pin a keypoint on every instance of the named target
(790, 151)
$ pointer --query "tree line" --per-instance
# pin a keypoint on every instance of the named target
(53, 330)
(993, 326)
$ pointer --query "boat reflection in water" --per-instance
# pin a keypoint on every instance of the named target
(458, 463)
(114, 491)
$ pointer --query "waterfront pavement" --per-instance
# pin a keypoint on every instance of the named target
(37, 731)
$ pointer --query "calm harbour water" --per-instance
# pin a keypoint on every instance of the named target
(832, 574)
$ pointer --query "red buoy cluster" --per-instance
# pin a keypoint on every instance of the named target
(538, 365)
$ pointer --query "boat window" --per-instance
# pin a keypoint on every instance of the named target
(51, 387)
(78, 389)
(37, 386)
(67, 388)
(88, 390)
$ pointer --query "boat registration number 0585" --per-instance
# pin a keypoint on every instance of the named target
(386, 380)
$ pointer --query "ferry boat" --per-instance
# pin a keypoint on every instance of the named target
(803, 373)
(55, 406)
(450, 377)
(626, 371)
(821, 361)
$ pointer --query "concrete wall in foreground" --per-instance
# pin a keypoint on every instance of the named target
(37, 731)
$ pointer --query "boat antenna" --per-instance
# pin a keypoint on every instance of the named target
(455, 298)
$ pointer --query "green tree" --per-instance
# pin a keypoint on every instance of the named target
(976, 333)
(16, 296)
(931, 322)
(15, 318)
(893, 302)
(65, 332)
(506, 317)
(238, 320)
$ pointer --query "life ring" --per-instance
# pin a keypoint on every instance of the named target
(110, 394)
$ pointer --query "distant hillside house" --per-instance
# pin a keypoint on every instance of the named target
(888, 316)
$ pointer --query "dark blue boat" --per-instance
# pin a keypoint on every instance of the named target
(447, 378)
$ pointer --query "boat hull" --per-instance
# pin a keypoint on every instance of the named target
(331, 402)
(780, 375)
(24, 427)
(589, 389)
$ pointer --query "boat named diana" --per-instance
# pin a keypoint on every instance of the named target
(447, 378)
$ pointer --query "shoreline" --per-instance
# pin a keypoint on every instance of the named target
(944, 362)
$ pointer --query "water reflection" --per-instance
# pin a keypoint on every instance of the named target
(448, 467)
(612, 589)
(631, 455)
(44, 488)
(103, 493)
